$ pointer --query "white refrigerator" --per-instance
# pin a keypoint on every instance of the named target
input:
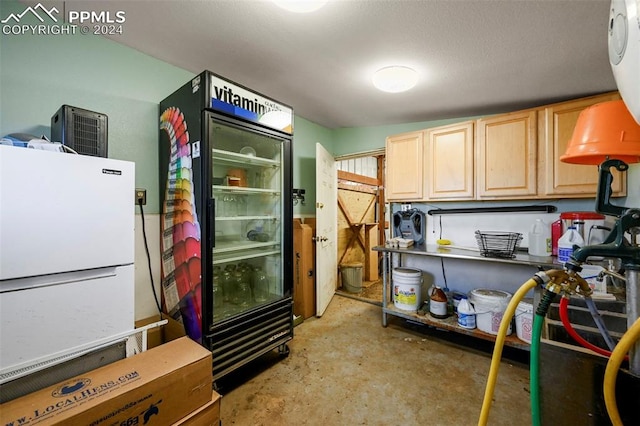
(66, 254)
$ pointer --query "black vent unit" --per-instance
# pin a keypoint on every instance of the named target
(82, 130)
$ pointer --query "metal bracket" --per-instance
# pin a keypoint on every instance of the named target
(603, 196)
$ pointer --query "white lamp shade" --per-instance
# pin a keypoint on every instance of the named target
(300, 6)
(395, 79)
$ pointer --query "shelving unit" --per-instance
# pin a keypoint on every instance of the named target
(450, 323)
(236, 248)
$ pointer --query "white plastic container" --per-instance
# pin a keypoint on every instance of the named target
(466, 314)
(489, 306)
(590, 274)
(540, 239)
(407, 285)
(524, 320)
(566, 242)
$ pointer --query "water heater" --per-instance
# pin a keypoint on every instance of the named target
(624, 51)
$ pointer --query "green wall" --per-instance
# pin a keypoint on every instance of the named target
(305, 136)
(39, 73)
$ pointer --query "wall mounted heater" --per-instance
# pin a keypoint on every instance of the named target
(82, 130)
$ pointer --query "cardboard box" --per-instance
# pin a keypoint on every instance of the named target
(207, 415)
(159, 335)
(157, 387)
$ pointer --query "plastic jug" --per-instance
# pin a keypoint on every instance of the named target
(466, 314)
(566, 242)
(540, 239)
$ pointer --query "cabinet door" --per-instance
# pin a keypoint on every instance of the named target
(557, 178)
(404, 178)
(506, 156)
(449, 162)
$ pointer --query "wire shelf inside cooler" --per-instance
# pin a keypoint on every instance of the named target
(236, 256)
(226, 247)
(233, 158)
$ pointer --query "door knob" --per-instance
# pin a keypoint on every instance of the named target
(319, 205)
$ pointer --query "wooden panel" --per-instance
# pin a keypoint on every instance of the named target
(352, 177)
(404, 179)
(357, 231)
(371, 257)
(450, 158)
(304, 295)
(355, 210)
(506, 152)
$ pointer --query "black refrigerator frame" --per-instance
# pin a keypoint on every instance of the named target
(239, 339)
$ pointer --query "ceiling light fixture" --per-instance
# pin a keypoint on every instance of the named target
(395, 79)
(300, 6)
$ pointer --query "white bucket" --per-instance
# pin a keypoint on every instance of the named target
(490, 306)
(407, 284)
(524, 319)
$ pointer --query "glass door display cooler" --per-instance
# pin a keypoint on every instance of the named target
(226, 206)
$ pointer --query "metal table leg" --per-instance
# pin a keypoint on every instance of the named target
(385, 283)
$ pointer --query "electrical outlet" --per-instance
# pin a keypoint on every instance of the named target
(405, 207)
(141, 196)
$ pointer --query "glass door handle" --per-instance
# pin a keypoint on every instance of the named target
(212, 222)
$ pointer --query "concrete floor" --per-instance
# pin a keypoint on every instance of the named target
(346, 369)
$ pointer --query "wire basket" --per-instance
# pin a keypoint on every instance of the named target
(498, 244)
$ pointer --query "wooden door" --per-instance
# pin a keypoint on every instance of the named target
(449, 162)
(404, 180)
(506, 156)
(326, 232)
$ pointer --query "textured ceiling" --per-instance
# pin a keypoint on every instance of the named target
(474, 56)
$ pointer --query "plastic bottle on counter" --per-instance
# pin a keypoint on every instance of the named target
(565, 244)
(540, 239)
(466, 314)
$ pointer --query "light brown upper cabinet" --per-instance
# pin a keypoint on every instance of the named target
(558, 179)
(517, 156)
(404, 169)
(449, 162)
(506, 157)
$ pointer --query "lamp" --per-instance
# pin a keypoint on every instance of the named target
(300, 6)
(395, 79)
(604, 130)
